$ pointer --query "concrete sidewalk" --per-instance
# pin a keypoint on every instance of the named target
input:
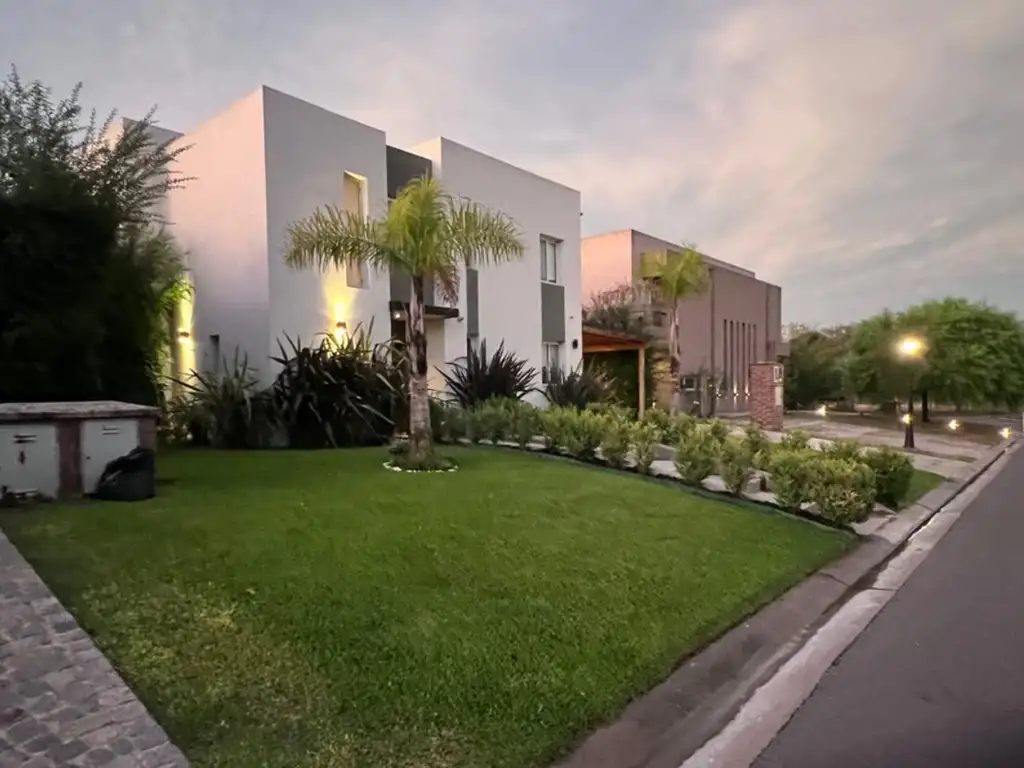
(946, 456)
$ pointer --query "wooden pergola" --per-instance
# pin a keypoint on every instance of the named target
(600, 340)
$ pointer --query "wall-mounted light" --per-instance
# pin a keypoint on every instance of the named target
(340, 327)
(183, 334)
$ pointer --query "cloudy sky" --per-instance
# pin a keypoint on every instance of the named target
(861, 154)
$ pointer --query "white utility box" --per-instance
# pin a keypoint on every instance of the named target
(59, 450)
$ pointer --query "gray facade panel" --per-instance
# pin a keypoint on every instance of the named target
(552, 313)
(403, 167)
(401, 288)
(472, 302)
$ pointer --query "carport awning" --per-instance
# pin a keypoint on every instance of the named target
(596, 340)
(600, 340)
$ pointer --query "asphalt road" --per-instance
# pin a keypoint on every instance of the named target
(937, 679)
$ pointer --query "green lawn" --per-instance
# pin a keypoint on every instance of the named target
(288, 609)
(920, 485)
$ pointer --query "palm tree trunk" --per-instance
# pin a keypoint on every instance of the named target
(673, 358)
(420, 444)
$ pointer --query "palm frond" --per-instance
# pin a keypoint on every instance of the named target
(674, 274)
(482, 236)
(331, 237)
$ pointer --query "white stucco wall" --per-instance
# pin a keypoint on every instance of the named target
(308, 151)
(220, 219)
(510, 294)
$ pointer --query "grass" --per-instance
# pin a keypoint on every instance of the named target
(288, 609)
(921, 483)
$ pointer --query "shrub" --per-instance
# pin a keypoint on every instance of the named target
(843, 489)
(554, 427)
(183, 421)
(760, 447)
(348, 392)
(615, 443)
(453, 424)
(221, 403)
(792, 476)
(495, 419)
(476, 377)
(475, 428)
(660, 420)
(697, 456)
(758, 440)
(843, 449)
(796, 440)
(894, 472)
(584, 432)
(437, 414)
(719, 430)
(735, 463)
(643, 437)
(579, 388)
(526, 424)
(612, 411)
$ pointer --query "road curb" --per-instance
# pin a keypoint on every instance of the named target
(665, 726)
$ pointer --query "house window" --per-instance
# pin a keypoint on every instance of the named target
(552, 369)
(354, 201)
(549, 259)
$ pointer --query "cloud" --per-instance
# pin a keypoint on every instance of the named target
(840, 149)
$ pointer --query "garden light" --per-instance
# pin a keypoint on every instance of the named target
(910, 346)
(1006, 432)
(822, 410)
(953, 424)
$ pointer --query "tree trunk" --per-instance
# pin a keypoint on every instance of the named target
(924, 406)
(673, 358)
(420, 443)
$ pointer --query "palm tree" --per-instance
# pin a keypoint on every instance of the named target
(428, 233)
(674, 276)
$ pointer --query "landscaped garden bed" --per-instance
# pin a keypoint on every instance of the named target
(313, 609)
(840, 483)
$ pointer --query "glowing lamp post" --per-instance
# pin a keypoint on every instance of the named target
(909, 348)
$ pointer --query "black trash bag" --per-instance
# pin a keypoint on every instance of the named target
(131, 477)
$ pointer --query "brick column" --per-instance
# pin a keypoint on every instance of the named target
(766, 395)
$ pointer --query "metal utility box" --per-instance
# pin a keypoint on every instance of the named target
(59, 450)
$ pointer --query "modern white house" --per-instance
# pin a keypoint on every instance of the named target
(271, 159)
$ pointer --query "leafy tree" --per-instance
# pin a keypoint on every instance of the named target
(674, 276)
(615, 309)
(816, 368)
(83, 291)
(877, 373)
(427, 233)
(975, 354)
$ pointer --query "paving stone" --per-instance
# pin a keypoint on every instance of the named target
(61, 702)
(101, 756)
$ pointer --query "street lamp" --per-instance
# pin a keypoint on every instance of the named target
(909, 348)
